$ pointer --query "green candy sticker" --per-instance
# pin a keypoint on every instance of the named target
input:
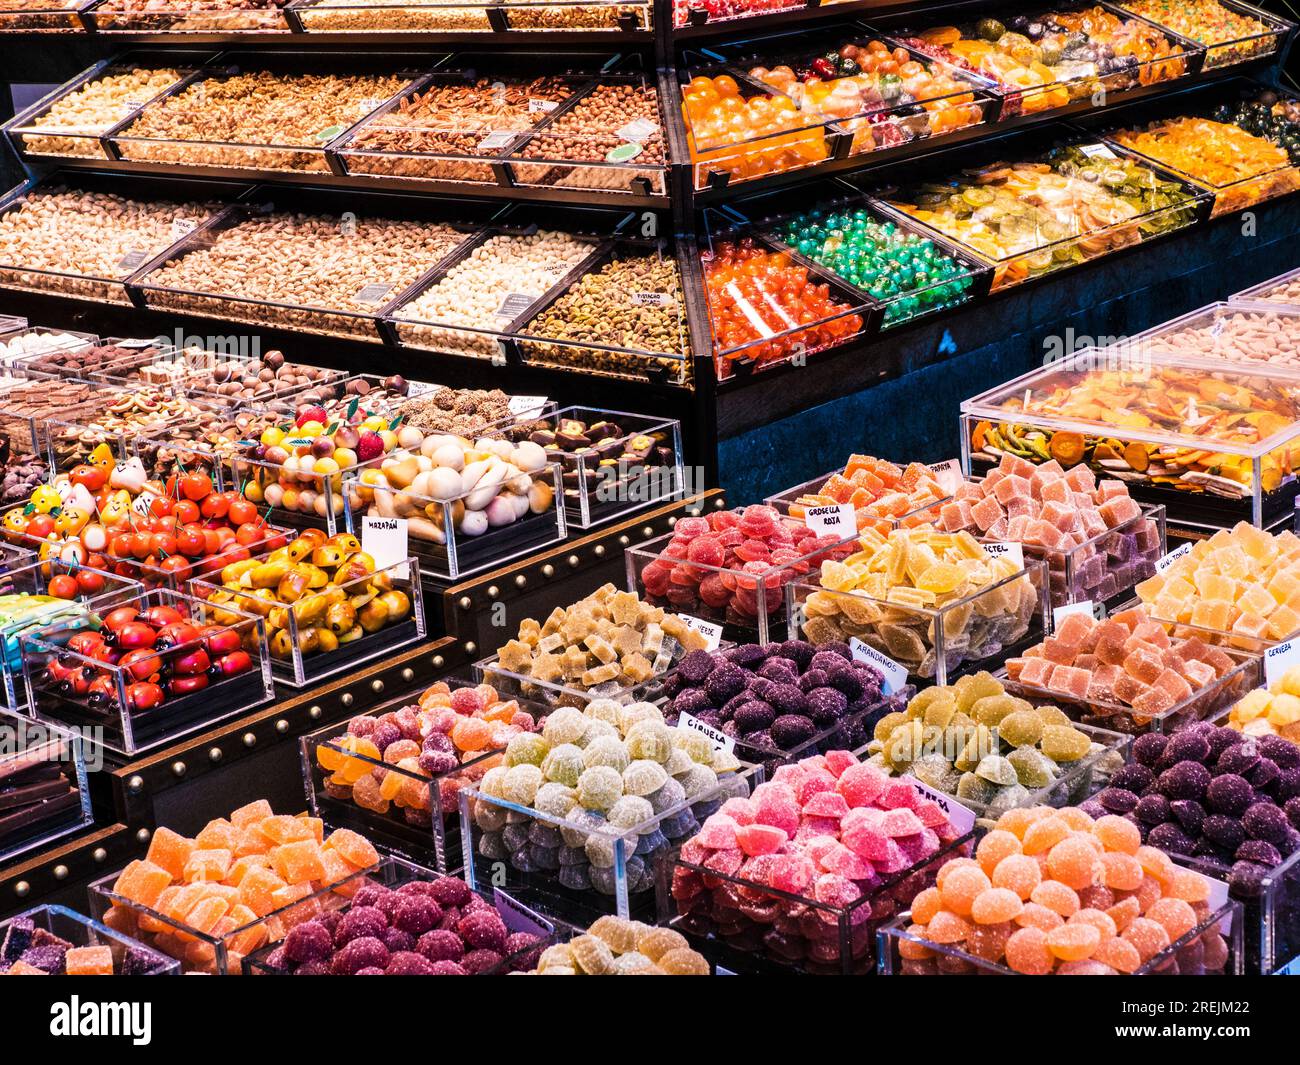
(623, 153)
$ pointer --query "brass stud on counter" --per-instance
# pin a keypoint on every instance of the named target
(250, 740)
(672, 522)
(719, 503)
(142, 836)
(647, 530)
(520, 581)
(438, 661)
(548, 571)
(178, 769)
(376, 685)
(470, 647)
(135, 784)
(408, 675)
(60, 872)
(347, 699)
(22, 888)
(624, 540)
(98, 855)
(315, 712)
(694, 512)
(215, 754)
(599, 551)
(282, 726)
(465, 602)
(493, 591)
(573, 561)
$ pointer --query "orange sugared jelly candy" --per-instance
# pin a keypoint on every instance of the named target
(247, 816)
(284, 828)
(218, 834)
(257, 890)
(89, 961)
(208, 865)
(142, 882)
(170, 850)
(298, 863)
(356, 849)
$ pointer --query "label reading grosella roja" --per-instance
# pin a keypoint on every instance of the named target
(651, 299)
(1165, 561)
(720, 740)
(494, 142)
(515, 304)
(637, 130)
(962, 818)
(526, 406)
(519, 918)
(710, 630)
(894, 673)
(948, 474)
(373, 292)
(134, 259)
(544, 106)
(833, 519)
(385, 540)
(1007, 549)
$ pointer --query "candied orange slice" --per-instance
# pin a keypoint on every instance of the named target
(941, 578)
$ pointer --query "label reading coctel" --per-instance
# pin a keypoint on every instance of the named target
(1008, 549)
(385, 540)
(720, 740)
(1280, 658)
(894, 673)
(1165, 561)
(962, 818)
(519, 918)
(710, 630)
(837, 519)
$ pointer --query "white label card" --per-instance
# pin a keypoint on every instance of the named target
(836, 519)
(526, 406)
(373, 292)
(948, 474)
(143, 503)
(545, 106)
(385, 540)
(710, 630)
(1009, 549)
(519, 918)
(494, 142)
(419, 388)
(1165, 561)
(651, 299)
(183, 227)
(637, 130)
(720, 740)
(1097, 151)
(1280, 658)
(962, 818)
(895, 674)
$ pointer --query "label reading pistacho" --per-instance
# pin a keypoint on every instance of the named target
(183, 227)
(651, 299)
(373, 292)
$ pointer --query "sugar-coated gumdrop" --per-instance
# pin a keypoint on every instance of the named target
(926, 904)
(1018, 872)
(1036, 915)
(1119, 954)
(947, 927)
(1057, 897)
(961, 887)
(1147, 936)
(759, 839)
(1174, 915)
(1074, 862)
(1072, 942)
(1027, 952)
(995, 906)
(995, 846)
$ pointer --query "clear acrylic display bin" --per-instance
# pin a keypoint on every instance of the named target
(1212, 948)
(43, 16)
(1202, 704)
(306, 152)
(181, 578)
(641, 334)
(1056, 238)
(420, 817)
(1270, 911)
(612, 462)
(182, 17)
(934, 643)
(749, 606)
(208, 950)
(390, 16)
(1078, 780)
(1283, 289)
(1104, 568)
(297, 655)
(753, 929)
(1242, 333)
(1227, 51)
(581, 870)
(1169, 427)
(849, 733)
(37, 341)
(458, 123)
(464, 533)
(290, 498)
(43, 791)
(33, 135)
(96, 591)
(58, 925)
(561, 16)
(577, 147)
(794, 503)
(1042, 87)
(392, 872)
(144, 703)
